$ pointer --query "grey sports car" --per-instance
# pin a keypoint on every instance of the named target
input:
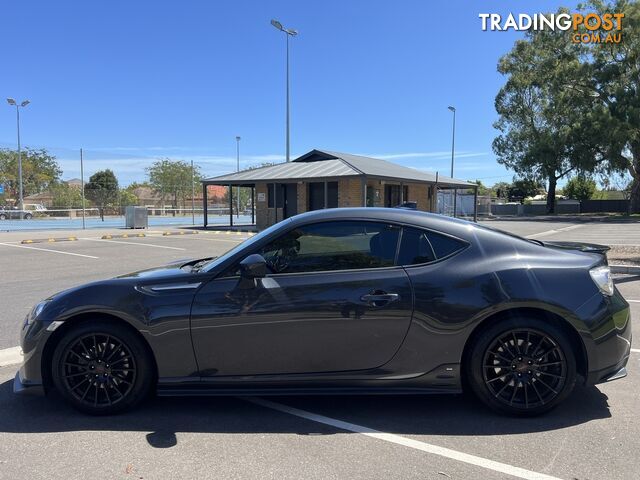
(362, 300)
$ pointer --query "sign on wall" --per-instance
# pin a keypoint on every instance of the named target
(1, 189)
(262, 197)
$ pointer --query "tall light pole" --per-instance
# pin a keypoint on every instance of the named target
(453, 149)
(288, 33)
(193, 194)
(237, 170)
(23, 104)
(453, 138)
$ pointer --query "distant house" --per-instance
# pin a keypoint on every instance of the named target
(46, 198)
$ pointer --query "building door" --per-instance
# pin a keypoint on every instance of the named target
(290, 207)
(394, 196)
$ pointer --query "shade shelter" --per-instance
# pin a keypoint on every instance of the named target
(325, 179)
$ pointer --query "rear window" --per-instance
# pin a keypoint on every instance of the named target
(422, 246)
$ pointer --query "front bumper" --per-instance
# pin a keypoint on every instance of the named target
(24, 387)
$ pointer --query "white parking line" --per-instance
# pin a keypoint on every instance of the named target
(406, 442)
(10, 356)
(635, 350)
(48, 250)
(550, 232)
(632, 301)
(133, 243)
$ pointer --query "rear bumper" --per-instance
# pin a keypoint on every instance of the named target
(609, 345)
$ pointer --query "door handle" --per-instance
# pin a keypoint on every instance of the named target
(379, 299)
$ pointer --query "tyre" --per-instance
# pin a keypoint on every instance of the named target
(28, 216)
(101, 368)
(522, 366)
(3, 216)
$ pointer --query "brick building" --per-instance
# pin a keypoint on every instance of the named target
(323, 179)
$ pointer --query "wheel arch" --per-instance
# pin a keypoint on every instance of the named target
(582, 364)
(74, 321)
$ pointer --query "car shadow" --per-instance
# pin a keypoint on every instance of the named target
(409, 415)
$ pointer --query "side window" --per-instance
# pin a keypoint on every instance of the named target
(333, 246)
(423, 246)
(415, 248)
(443, 245)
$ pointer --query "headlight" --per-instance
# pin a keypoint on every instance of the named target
(35, 311)
(602, 278)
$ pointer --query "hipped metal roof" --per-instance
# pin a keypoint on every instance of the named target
(325, 165)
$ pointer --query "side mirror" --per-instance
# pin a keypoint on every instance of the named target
(254, 266)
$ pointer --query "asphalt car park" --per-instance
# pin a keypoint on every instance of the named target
(592, 435)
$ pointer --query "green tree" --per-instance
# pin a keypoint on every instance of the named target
(66, 196)
(245, 199)
(546, 129)
(613, 84)
(580, 187)
(127, 197)
(40, 170)
(501, 190)
(102, 189)
(174, 179)
(482, 189)
(523, 188)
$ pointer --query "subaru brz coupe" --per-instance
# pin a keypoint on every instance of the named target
(341, 301)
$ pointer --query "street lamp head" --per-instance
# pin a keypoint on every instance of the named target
(279, 26)
(453, 109)
(25, 103)
(237, 138)
(11, 101)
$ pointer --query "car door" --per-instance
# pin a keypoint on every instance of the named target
(334, 301)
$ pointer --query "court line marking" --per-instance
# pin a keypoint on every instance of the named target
(406, 442)
(132, 243)
(48, 250)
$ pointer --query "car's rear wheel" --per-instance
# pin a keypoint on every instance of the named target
(102, 368)
(3, 216)
(522, 366)
(28, 216)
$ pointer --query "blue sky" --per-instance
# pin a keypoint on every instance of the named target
(134, 81)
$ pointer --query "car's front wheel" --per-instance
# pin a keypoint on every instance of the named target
(102, 368)
(522, 366)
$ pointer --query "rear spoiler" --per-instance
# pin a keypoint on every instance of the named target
(582, 247)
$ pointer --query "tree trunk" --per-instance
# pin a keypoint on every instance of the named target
(551, 194)
(102, 213)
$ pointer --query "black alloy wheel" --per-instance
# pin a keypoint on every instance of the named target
(522, 368)
(102, 368)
